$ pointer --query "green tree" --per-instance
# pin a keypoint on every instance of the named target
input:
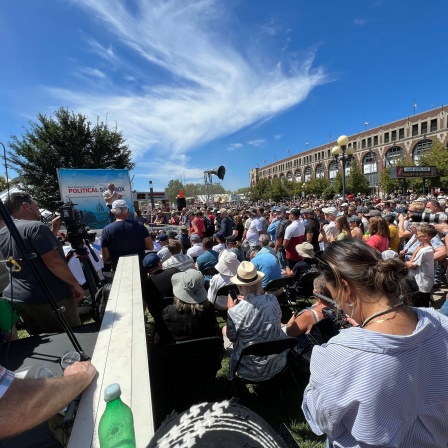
(66, 141)
(337, 183)
(173, 188)
(387, 184)
(279, 190)
(261, 190)
(437, 156)
(356, 182)
(317, 186)
(244, 190)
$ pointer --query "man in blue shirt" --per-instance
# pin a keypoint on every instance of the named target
(267, 264)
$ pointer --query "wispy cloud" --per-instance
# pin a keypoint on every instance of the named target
(359, 22)
(278, 136)
(256, 143)
(234, 146)
(206, 87)
(92, 72)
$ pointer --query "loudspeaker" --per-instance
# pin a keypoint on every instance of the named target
(220, 172)
(181, 203)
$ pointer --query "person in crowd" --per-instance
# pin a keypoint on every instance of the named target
(178, 259)
(124, 236)
(362, 211)
(220, 240)
(301, 322)
(158, 284)
(343, 228)
(235, 246)
(196, 247)
(254, 315)
(312, 228)
(329, 231)
(159, 218)
(227, 224)
(191, 316)
(263, 242)
(138, 217)
(196, 223)
(373, 399)
(164, 253)
(294, 235)
(238, 228)
(274, 222)
(356, 227)
(30, 300)
(279, 237)
(183, 238)
(404, 220)
(255, 228)
(209, 258)
(434, 206)
(175, 219)
(263, 220)
(227, 267)
(110, 195)
(26, 403)
(394, 240)
(379, 233)
(421, 264)
(267, 264)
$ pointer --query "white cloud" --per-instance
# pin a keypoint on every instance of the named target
(206, 88)
(234, 146)
(359, 22)
(278, 136)
(93, 72)
(257, 143)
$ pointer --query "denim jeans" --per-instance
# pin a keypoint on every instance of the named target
(281, 258)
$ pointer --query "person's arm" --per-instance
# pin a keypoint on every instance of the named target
(299, 324)
(59, 268)
(402, 233)
(289, 272)
(27, 403)
(149, 243)
(309, 238)
(439, 253)
(56, 225)
(105, 254)
(285, 242)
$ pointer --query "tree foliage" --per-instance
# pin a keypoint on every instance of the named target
(279, 190)
(437, 156)
(317, 186)
(356, 182)
(66, 141)
(261, 190)
(173, 188)
(337, 183)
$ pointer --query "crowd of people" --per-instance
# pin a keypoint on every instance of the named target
(379, 260)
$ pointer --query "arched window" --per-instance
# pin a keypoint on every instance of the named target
(348, 167)
(289, 176)
(320, 172)
(333, 170)
(420, 148)
(307, 173)
(395, 154)
(297, 176)
(282, 176)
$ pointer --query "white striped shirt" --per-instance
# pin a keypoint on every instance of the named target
(370, 389)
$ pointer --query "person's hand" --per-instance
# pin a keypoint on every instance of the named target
(56, 225)
(401, 217)
(81, 368)
(442, 227)
(78, 292)
(230, 302)
(351, 321)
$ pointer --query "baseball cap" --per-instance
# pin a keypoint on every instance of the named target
(373, 213)
(195, 237)
(307, 210)
(295, 212)
(151, 261)
(119, 203)
(330, 211)
(163, 237)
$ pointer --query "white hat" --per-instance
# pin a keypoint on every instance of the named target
(228, 263)
(246, 274)
(330, 211)
(188, 286)
(119, 203)
(305, 250)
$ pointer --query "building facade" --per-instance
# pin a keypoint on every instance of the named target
(374, 149)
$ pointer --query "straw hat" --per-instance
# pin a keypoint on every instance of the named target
(247, 274)
(228, 263)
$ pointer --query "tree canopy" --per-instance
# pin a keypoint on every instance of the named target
(67, 140)
(356, 181)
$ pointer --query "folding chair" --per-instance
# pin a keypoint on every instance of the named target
(277, 287)
(210, 271)
(265, 348)
(303, 290)
(224, 291)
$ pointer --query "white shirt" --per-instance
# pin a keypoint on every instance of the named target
(219, 247)
(424, 274)
(164, 254)
(195, 250)
(253, 233)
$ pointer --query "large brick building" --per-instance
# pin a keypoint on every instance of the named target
(374, 149)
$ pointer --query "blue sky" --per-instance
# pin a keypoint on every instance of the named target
(197, 84)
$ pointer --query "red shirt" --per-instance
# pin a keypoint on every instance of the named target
(197, 226)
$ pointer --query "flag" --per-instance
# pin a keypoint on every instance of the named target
(415, 105)
(264, 161)
(366, 123)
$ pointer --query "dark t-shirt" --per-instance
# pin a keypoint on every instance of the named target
(124, 238)
(226, 226)
(182, 325)
(38, 239)
(240, 229)
(301, 268)
(312, 226)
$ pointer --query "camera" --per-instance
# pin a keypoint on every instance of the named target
(71, 217)
(431, 218)
(337, 316)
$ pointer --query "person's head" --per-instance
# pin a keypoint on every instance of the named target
(152, 263)
(330, 213)
(227, 263)
(22, 206)
(219, 238)
(307, 213)
(357, 276)
(207, 243)
(248, 279)
(379, 226)
(120, 209)
(294, 214)
(425, 233)
(230, 241)
(351, 211)
(195, 238)
(190, 216)
(320, 288)
(417, 207)
(174, 246)
(389, 217)
(189, 292)
(223, 212)
(434, 206)
(260, 211)
(263, 240)
(237, 220)
(111, 187)
(342, 224)
(305, 250)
